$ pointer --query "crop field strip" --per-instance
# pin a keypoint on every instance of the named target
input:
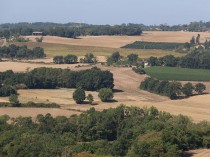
(153, 45)
(178, 74)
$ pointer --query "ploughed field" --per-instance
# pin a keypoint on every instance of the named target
(178, 74)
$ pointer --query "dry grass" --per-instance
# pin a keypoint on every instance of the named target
(128, 82)
(33, 112)
(22, 67)
(58, 49)
(119, 41)
(199, 153)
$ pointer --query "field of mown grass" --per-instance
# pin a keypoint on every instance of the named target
(178, 74)
(61, 49)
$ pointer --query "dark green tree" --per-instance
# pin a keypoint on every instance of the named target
(58, 60)
(90, 58)
(187, 89)
(13, 99)
(200, 88)
(105, 94)
(114, 58)
(90, 98)
(79, 95)
(70, 59)
(132, 58)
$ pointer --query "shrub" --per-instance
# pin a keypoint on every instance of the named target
(90, 98)
(79, 95)
(139, 70)
(70, 59)
(200, 88)
(187, 89)
(13, 99)
(105, 94)
(7, 90)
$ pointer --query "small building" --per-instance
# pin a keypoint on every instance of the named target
(37, 33)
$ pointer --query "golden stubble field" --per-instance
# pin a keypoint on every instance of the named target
(119, 41)
(126, 80)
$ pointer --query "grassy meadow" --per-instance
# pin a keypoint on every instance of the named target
(178, 74)
(52, 50)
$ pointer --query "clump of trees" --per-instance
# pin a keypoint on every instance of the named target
(39, 40)
(7, 90)
(198, 59)
(21, 52)
(139, 70)
(173, 89)
(105, 94)
(49, 78)
(89, 58)
(69, 30)
(123, 131)
(69, 59)
(117, 59)
(79, 95)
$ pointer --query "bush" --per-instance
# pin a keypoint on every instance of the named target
(58, 60)
(187, 89)
(79, 95)
(139, 70)
(105, 94)
(40, 105)
(7, 90)
(200, 88)
(89, 58)
(13, 99)
(70, 59)
(90, 98)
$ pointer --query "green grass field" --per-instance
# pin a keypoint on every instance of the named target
(59, 49)
(178, 74)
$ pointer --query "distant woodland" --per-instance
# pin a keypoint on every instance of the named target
(73, 30)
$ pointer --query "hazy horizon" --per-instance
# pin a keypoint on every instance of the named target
(105, 11)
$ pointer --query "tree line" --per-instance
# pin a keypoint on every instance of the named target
(68, 30)
(154, 45)
(173, 89)
(123, 131)
(50, 78)
(72, 59)
(21, 52)
(198, 59)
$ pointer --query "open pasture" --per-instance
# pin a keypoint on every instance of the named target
(178, 74)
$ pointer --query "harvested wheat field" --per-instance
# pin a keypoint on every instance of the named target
(119, 41)
(199, 153)
(22, 67)
(126, 92)
(33, 112)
